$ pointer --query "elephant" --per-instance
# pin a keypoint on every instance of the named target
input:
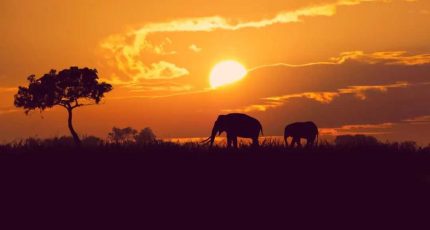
(307, 130)
(236, 125)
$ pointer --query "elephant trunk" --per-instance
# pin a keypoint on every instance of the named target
(286, 133)
(215, 129)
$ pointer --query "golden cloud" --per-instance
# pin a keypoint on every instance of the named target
(389, 58)
(419, 120)
(256, 107)
(322, 97)
(277, 101)
(195, 48)
(364, 129)
(373, 129)
(360, 91)
(160, 87)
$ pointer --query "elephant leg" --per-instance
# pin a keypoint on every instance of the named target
(299, 144)
(255, 142)
(294, 141)
(286, 141)
(229, 141)
(235, 142)
(310, 142)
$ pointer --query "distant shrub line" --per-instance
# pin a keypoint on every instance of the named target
(343, 144)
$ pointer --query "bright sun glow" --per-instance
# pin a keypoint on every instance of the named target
(226, 72)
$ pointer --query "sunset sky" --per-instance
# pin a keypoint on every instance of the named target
(352, 66)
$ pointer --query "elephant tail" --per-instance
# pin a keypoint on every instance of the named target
(316, 143)
(261, 130)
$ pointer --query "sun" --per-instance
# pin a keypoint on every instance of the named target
(226, 72)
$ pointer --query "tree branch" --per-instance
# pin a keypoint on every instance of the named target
(81, 105)
(76, 103)
(64, 105)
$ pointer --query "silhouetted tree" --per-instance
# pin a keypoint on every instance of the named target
(145, 136)
(70, 88)
(122, 135)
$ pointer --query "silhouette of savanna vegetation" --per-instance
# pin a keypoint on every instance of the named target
(354, 173)
(266, 171)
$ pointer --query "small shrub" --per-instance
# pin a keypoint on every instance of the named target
(145, 136)
(122, 135)
(356, 141)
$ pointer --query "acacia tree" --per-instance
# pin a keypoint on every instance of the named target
(70, 88)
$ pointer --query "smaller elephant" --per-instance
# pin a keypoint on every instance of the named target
(307, 130)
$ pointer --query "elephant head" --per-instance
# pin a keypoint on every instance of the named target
(218, 128)
(290, 130)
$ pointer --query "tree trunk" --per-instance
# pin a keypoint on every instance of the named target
(72, 130)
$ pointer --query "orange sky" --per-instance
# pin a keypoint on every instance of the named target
(352, 66)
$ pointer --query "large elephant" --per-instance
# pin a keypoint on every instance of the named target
(236, 125)
(307, 130)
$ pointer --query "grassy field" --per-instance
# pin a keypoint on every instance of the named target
(368, 179)
(392, 163)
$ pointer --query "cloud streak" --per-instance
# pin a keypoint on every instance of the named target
(364, 129)
(166, 86)
(386, 58)
(360, 91)
(418, 120)
(322, 97)
(8, 89)
(7, 110)
(374, 129)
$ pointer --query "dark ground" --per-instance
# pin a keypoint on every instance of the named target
(169, 184)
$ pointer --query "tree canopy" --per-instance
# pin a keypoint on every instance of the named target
(70, 88)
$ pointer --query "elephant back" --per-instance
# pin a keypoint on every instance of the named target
(302, 128)
(243, 123)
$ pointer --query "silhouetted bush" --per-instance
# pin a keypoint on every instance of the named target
(408, 146)
(145, 136)
(58, 141)
(129, 136)
(355, 141)
(122, 135)
(92, 141)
